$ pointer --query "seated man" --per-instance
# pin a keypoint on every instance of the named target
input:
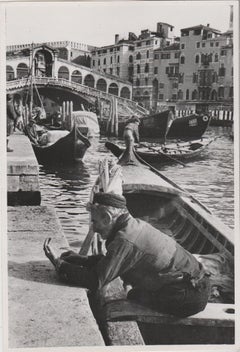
(163, 275)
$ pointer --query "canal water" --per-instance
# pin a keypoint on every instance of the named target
(210, 178)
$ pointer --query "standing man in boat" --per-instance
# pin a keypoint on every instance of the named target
(131, 129)
(163, 275)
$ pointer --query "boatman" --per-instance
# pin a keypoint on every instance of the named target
(131, 129)
(163, 275)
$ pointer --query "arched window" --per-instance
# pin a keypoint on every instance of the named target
(146, 68)
(180, 95)
(146, 81)
(194, 95)
(214, 95)
(22, 70)
(147, 54)
(125, 93)
(187, 94)
(197, 59)
(130, 59)
(9, 73)
(113, 89)
(182, 60)
(89, 81)
(104, 61)
(138, 68)
(76, 77)
(216, 57)
(63, 72)
(118, 59)
(137, 82)
(138, 57)
(101, 85)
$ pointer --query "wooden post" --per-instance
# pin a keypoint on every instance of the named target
(63, 112)
(116, 117)
(67, 115)
(71, 122)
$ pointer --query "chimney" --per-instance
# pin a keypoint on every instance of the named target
(116, 38)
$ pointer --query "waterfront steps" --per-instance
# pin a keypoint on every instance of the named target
(22, 172)
(42, 312)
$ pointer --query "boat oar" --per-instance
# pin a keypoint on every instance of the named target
(170, 181)
(161, 153)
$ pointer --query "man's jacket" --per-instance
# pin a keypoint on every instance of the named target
(141, 255)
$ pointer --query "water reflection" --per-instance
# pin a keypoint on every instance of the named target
(210, 178)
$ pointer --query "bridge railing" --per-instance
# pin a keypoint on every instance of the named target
(62, 82)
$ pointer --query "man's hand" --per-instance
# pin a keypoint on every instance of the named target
(49, 252)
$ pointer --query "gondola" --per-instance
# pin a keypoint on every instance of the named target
(68, 149)
(188, 127)
(155, 198)
(169, 152)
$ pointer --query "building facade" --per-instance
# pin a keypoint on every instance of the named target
(168, 70)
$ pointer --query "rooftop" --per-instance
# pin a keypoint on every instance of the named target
(200, 26)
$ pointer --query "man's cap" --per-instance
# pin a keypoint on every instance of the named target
(110, 199)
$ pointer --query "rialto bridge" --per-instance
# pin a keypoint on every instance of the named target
(61, 80)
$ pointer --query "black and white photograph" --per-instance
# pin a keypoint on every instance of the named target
(120, 175)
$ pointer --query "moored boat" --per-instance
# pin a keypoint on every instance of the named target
(154, 125)
(169, 152)
(156, 199)
(188, 127)
(63, 147)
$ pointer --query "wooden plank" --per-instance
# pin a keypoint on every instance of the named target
(215, 314)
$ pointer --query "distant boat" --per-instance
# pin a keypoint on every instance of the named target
(64, 147)
(188, 127)
(168, 152)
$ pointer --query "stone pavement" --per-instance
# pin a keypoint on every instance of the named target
(42, 312)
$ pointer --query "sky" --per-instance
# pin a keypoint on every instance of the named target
(96, 23)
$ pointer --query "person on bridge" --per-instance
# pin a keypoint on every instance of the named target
(132, 125)
(162, 274)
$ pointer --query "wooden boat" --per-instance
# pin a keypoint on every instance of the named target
(67, 149)
(188, 127)
(170, 152)
(155, 198)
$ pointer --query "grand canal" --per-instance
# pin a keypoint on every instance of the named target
(210, 178)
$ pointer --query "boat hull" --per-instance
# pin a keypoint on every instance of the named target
(66, 150)
(167, 153)
(188, 127)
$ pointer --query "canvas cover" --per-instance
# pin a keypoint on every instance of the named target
(86, 120)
